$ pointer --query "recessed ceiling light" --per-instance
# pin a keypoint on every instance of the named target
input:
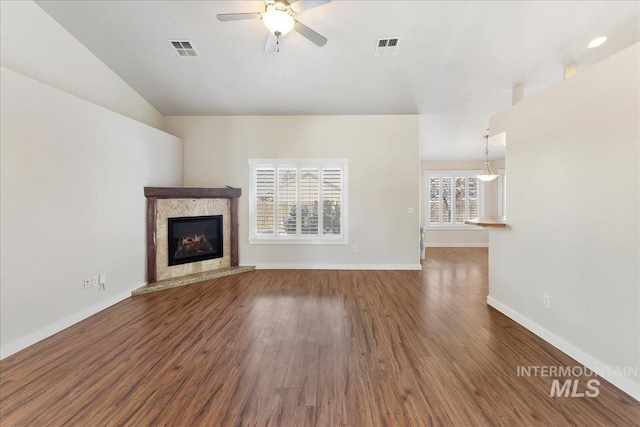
(597, 42)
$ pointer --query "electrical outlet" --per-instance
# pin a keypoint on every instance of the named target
(87, 283)
(103, 279)
(409, 210)
(355, 249)
(546, 301)
(94, 281)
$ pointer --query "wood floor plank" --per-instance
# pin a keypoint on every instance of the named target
(304, 348)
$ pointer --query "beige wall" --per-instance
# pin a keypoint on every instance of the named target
(383, 170)
(472, 237)
(574, 216)
(76, 150)
(72, 205)
(34, 44)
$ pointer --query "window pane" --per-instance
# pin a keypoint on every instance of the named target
(309, 201)
(461, 197)
(474, 198)
(447, 200)
(287, 194)
(265, 208)
(434, 200)
(332, 200)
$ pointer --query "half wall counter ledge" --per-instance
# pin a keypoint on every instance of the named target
(488, 221)
(192, 236)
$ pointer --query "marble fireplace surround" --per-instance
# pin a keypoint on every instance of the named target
(164, 202)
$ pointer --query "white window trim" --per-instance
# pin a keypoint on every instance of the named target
(300, 163)
(453, 174)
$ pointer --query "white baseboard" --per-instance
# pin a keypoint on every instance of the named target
(457, 245)
(338, 267)
(37, 336)
(623, 383)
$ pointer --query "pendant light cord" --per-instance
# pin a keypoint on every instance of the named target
(486, 148)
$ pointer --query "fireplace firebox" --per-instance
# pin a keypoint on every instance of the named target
(195, 238)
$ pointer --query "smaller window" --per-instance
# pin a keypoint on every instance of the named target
(451, 198)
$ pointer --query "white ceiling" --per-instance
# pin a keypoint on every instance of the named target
(456, 66)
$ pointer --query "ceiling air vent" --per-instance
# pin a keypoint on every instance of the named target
(184, 48)
(387, 46)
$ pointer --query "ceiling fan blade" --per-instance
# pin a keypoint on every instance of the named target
(310, 34)
(224, 17)
(272, 43)
(301, 6)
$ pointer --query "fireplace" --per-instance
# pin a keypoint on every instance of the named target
(165, 203)
(194, 238)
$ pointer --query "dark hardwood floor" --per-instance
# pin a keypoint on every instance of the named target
(288, 348)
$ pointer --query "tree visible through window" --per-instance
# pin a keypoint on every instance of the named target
(452, 198)
(286, 200)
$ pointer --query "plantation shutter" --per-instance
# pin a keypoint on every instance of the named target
(461, 199)
(473, 192)
(287, 196)
(309, 201)
(446, 197)
(332, 201)
(265, 186)
(434, 200)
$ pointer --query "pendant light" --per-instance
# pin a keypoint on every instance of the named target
(486, 173)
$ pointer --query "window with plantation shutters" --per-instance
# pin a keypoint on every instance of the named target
(451, 198)
(298, 201)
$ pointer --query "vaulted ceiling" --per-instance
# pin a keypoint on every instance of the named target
(456, 65)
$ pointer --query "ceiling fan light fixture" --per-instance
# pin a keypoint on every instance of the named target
(278, 20)
(278, 17)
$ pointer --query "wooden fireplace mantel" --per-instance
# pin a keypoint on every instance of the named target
(154, 193)
(191, 193)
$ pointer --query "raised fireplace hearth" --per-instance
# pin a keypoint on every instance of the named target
(191, 233)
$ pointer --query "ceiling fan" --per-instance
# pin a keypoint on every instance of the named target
(278, 18)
